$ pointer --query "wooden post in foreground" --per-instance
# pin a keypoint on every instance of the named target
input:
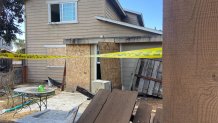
(190, 61)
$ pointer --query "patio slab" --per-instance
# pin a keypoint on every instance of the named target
(64, 101)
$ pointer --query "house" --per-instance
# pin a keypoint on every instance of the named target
(84, 27)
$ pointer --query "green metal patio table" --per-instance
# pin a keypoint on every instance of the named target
(32, 93)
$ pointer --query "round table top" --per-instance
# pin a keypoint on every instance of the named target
(33, 90)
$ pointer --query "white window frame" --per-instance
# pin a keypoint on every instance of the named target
(61, 2)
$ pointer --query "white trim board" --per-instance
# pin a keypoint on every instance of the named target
(129, 25)
(54, 46)
(131, 11)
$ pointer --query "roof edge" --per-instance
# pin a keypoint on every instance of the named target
(117, 5)
(129, 25)
(139, 16)
(132, 11)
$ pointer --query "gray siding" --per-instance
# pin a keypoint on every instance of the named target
(128, 65)
(110, 11)
(40, 33)
(131, 18)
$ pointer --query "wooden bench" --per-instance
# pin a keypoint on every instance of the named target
(115, 107)
(110, 107)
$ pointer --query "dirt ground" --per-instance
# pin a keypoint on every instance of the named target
(156, 103)
(8, 117)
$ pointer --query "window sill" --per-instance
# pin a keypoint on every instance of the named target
(56, 23)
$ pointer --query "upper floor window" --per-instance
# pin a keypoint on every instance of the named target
(63, 12)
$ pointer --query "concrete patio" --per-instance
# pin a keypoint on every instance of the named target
(63, 101)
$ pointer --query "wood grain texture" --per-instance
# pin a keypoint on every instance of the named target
(78, 69)
(143, 114)
(94, 107)
(190, 61)
(59, 52)
(118, 108)
(158, 118)
(110, 68)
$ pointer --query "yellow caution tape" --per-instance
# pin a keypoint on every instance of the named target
(143, 53)
(29, 56)
(152, 53)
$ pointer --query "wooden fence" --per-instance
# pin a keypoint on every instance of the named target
(148, 77)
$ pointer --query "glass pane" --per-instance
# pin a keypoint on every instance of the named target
(68, 12)
(55, 13)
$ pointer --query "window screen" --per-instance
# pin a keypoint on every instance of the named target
(55, 13)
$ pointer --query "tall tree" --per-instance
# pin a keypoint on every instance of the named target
(11, 15)
(20, 45)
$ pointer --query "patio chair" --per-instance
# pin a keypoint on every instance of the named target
(51, 116)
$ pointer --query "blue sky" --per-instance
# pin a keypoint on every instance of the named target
(152, 11)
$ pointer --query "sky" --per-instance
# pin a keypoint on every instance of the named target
(23, 30)
(152, 11)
